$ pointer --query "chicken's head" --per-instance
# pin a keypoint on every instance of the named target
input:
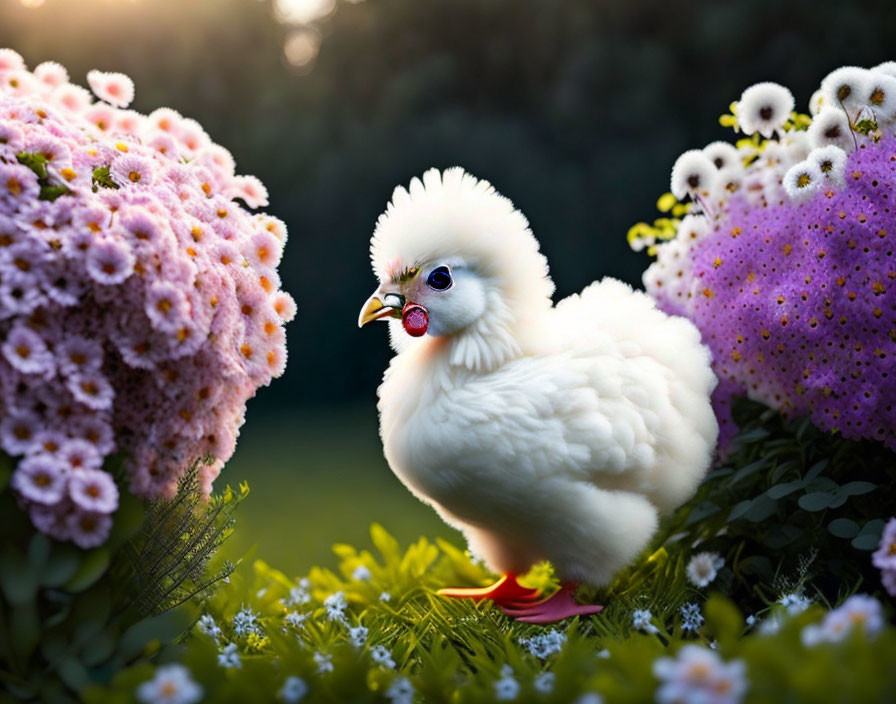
(456, 259)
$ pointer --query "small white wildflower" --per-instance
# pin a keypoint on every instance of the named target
(544, 682)
(293, 690)
(603, 654)
(324, 662)
(859, 609)
(382, 656)
(401, 691)
(698, 674)
(764, 108)
(335, 604)
(544, 644)
(590, 698)
(641, 621)
(831, 162)
(691, 618)
(693, 174)
(831, 126)
(246, 622)
(261, 592)
(795, 603)
(802, 181)
(361, 574)
(385, 597)
(723, 155)
(704, 567)
(207, 625)
(751, 620)
(295, 619)
(229, 657)
(171, 684)
(845, 86)
(358, 636)
(506, 688)
(299, 594)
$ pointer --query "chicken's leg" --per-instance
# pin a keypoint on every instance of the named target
(507, 591)
(558, 606)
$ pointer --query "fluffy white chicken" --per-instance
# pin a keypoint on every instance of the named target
(541, 432)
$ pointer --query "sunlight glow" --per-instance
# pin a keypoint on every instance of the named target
(300, 49)
(302, 11)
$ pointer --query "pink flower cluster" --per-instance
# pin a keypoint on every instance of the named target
(140, 305)
(787, 262)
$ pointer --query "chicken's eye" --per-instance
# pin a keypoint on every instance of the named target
(439, 278)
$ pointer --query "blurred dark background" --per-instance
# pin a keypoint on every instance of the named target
(575, 110)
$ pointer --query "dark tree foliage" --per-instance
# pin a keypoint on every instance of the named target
(574, 110)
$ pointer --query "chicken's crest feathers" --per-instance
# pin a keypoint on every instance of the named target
(453, 215)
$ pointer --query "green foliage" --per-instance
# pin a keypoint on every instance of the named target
(38, 164)
(70, 618)
(101, 178)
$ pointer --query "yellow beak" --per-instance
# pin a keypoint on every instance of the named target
(379, 306)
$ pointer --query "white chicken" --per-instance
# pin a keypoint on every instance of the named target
(542, 432)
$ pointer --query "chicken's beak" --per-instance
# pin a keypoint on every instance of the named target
(380, 306)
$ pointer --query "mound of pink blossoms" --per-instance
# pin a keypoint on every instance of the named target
(140, 305)
(790, 270)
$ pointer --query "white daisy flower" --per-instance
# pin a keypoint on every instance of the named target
(293, 690)
(831, 162)
(764, 108)
(698, 674)
(245, 622)
(802, 180)
(795, 603)
(207, 625)
(385, 597)
(816, 102)
(295, 619)
(693, 174)
(830, 126)
(845, 87)
(335, 604)
(888, 67)
(703, 568)
(880, 95)
(172, 684)
(723, 155)
(544, 644)
(858, 610)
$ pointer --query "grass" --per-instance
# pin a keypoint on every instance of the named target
(316, 480)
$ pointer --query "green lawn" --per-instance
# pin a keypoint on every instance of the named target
(318, 479)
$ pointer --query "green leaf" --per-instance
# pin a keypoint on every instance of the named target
(102, 179)
(39, 548)
(385, 543)
(36, 162)
(761, 508)
(93, 566)
(702, 512)
(24, 628)
(815, 501)
(869, 537)
(843, 528)
(51, 192)
(740, 509)
(61, 567)
(751, 468)
(17, 579)
(779, 491)
(782, 536)
(73, 674)
(857, 488)
(815, 470)
(164, 627)
(100, 648)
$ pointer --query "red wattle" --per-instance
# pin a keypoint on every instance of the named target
(415, 319)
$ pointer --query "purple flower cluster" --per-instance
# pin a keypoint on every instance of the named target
(789, 272)
(140, 305)
(884, 558)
